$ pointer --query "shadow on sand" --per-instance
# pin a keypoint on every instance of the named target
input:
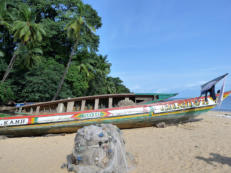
(216, 158)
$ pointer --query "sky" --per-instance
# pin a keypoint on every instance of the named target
(166, 45)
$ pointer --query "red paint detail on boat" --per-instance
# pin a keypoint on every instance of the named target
(29, 120)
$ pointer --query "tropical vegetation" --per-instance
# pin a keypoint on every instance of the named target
(49, 50)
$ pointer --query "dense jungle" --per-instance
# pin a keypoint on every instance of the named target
(49, 50)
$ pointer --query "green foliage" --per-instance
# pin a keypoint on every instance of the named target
(78, 81)
(3, 65)
(6, 93)
(42, 34)
(24, 28)
(1, 54)
(5, 16)
(78, 23)
(114, 85)
(74, 29)
(29, 55)
(40, 82)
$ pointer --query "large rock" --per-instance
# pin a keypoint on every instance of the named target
(99, 149)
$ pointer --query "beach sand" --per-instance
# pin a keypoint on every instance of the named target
(203, 146)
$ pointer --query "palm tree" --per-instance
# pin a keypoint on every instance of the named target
(25, 32)
(29, 55)
(101, 69)
(102, 65)
(74, 32)
(81, 72)
(84, 64)
(6, 21)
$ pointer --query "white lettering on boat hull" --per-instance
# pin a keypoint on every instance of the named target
(13, 122)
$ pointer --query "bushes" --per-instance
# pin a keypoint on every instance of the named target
(6, 93)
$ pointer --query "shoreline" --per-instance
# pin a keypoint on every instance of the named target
(199, 146)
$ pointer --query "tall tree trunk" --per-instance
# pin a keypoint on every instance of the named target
(65, 72)
(9, 68)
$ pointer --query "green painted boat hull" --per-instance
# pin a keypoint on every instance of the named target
(73, 126)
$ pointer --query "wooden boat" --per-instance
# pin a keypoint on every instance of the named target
(123, 117)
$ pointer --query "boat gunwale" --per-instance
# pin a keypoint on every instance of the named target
(97, 96)
(115, 108)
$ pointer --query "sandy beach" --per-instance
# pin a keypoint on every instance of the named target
(203, 146)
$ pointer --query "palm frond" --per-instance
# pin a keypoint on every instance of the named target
(27, 36)
(37, 50)
(23, 31)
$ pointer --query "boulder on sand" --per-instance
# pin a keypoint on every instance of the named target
(99, 149)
